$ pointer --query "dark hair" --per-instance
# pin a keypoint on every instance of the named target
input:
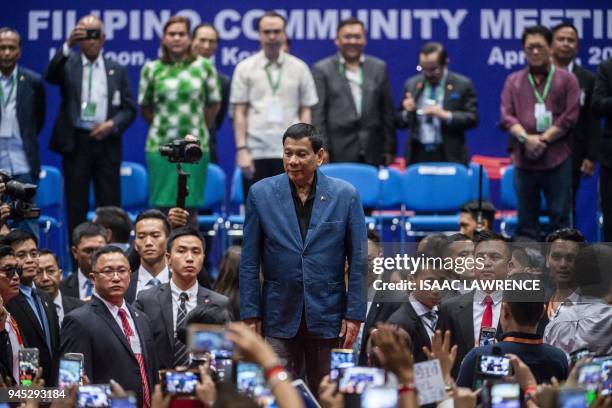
(565, 24)
(458, 237)
(182, 232)
(431, 47)
(302, 130)
(47, 251)
(11, 30)
(485, 236)
(434, 245)
(107, 249)
(350, 21)
(202, 25)
(17, 236)
(165, 56)
(565, 234)
(488, 211)
(206, 313)
(6, 250)
(592, 270)
(156, 215)
(271, 13)
(117, 221)
(87, 229)
(228, 282)
(373, 236)
(526, 306)
(537, 30)
(528, 257)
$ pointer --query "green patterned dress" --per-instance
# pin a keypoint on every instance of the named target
(177, 94)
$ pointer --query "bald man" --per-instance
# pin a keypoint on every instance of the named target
(96, 108)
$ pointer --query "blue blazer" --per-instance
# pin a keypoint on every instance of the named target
(303, 276)
(30, 114)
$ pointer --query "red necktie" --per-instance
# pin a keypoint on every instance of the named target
(143, 373)
(487, 316)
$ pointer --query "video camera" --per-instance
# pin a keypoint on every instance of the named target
(182, 151)
(22, 197)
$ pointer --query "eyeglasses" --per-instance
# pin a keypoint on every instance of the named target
(535, 47)
(22, 255)
(10, 270)
(110, 273)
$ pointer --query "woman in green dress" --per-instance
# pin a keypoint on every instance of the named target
(178, 94)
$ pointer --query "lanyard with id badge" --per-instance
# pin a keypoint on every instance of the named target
(88, 107)
(543, 117)
(275, 108)
(6, 123)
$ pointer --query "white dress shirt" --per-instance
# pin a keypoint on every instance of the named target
(82, 280)
(479, 309)
(144, 277)
(59, 307)
(99, 89)
(114, 311)
(190, 304)
(423, 312)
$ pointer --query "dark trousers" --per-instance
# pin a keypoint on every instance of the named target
(420, 154)
(556, 184)
(95, 161)
(605, 190)
(305, 352)
(263, 168)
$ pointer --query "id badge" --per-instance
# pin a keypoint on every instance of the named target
(88, 111)
(543, 117)
(275, 111)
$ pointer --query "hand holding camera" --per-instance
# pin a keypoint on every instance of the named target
(22, 195)
(80, 33)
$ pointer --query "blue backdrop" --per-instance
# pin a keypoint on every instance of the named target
(483, 41)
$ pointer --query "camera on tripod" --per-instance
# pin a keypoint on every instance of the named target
(182, 151)
(22, 197)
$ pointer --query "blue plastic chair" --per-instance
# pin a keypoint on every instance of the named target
(49, 198)
(435, 191)
(234, 221)
(509, 202)
(214, 200)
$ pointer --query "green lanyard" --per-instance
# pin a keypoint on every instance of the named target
(342, 72)
(89, 84)
(4, 102)
(274, 85)
(542, 98)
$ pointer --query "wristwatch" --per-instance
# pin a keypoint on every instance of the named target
(522, 137)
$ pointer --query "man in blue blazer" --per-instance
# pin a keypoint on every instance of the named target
(96, 108)
(22, 116)
(300, 229)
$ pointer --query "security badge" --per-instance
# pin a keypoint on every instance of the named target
(543, 117)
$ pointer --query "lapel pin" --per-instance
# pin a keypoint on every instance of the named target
(111, 71)
(21, 78)
(449, 87)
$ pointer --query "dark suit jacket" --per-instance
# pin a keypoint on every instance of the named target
(350, 137)
(67, 72)
(157, 304)
(130, 293)
(457, 315)
(602, 108)
(32, 332)
(70, 285)
(6, 356)
(70, 303)
(406, 318)
(93, 331)
(30, 114)
(460, 99)
(213, 128)
(379, 312)
(585, 136)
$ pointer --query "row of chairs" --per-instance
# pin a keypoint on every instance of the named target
(423, 199)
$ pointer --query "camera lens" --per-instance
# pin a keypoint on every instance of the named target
(193, 153)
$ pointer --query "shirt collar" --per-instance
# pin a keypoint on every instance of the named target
(522, 335)
(266, 62)
(419, 308)
(479, 296)
(12, 74)
(192, 292)
(145, 276)
(58, 299)
(312, 192)
(97, 62)
(82, 279)
(113, 309)
(343, 61)
(27, 290)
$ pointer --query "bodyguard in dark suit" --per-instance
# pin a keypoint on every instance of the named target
(115, 339)
(355, 108)
(22, 116)
(585, 136)
(300, 228)
(602, 108)
(33, 309)
(96, 108)
(439, 106)
(168, 304)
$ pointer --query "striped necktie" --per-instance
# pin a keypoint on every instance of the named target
(146, 396)
(181, 358)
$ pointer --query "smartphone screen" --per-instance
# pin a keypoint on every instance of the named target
(589, 376)
(129, 401)
(572, 398)
(250, 381)
(495, 366)
(505, 395)
(180, 382)
(354, 380)
(209, 338)
(606, 377)
(94, 395)
(69, 372)
(28, 365)
(224, 368)
(340, 360)
(379, 397)
(487, 336)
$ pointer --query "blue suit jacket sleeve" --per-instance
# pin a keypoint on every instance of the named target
(357, 259)
(250, 258)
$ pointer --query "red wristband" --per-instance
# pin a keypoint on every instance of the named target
(405, 388)
(272, 371)
(530, 391)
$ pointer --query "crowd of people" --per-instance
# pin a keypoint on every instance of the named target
(303, 285)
